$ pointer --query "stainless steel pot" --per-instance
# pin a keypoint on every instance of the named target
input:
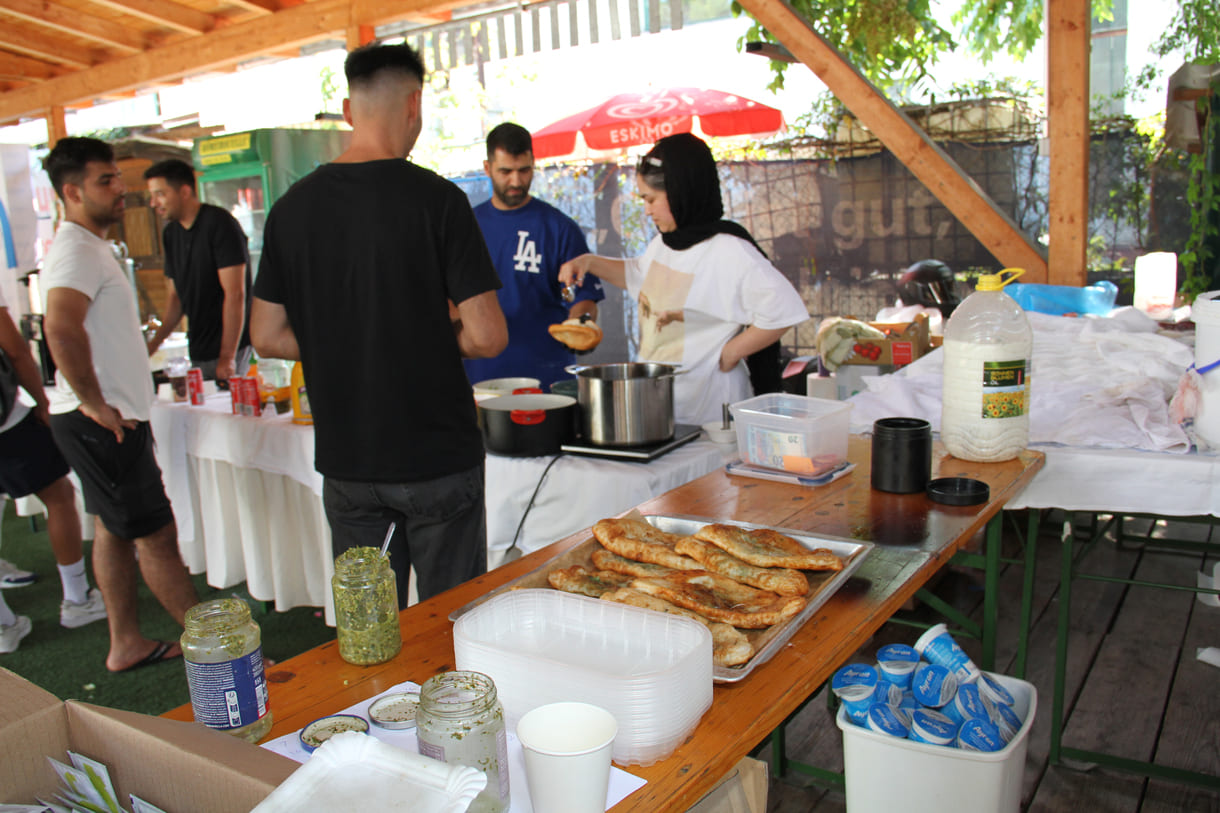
(626, 404)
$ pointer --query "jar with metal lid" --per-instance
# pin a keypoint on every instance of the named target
(366, 607)
(222, 649)
(461, 722)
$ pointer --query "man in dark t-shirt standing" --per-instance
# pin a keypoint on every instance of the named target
(361, 260)
(207, 268)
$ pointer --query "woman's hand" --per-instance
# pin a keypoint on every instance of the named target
(574, 270)
(748, 341)
(728, 357)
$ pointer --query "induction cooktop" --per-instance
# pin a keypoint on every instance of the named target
(683, 433)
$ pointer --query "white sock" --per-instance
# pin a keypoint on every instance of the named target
(75, 581)
(7, 618)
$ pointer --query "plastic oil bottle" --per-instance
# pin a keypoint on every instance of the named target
(301, 413)
(985, 401)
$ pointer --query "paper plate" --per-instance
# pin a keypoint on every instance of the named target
(351, 771)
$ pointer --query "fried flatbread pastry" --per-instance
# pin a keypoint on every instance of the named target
(635, 539)
(782, 580)
(605, 560)
(767, 548)
(730, 646)
(722, 599)
(581, 580)
(576, 334)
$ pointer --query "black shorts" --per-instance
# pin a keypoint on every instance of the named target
(29, 459)
(121, 482)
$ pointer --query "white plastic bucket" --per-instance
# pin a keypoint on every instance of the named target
(884, 774)
(1206, 311)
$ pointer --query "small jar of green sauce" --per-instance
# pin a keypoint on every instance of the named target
(366, 607)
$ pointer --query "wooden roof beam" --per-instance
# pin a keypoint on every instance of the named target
(219, 48)
(74, 22)
(259, 6)
(215, 50)
(162, 12)
(46, 47)
(918, 153)
(26, 69)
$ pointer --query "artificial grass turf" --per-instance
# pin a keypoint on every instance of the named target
(71, 664)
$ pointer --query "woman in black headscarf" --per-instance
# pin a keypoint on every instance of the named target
(708, 297)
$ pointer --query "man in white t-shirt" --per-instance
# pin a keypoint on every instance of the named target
(101, 399)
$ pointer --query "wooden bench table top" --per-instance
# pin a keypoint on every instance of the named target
(913, 538)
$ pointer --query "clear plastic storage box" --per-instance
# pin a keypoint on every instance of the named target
(792, 432)
(652, 671)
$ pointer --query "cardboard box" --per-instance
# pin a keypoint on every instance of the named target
(744, 790)
(907, 341)
(177, 766)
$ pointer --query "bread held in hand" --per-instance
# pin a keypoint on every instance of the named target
(577, 335)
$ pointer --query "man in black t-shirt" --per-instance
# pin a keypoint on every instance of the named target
(361, 260)
(207, 269)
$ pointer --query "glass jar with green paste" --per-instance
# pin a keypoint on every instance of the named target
(366, 607)
(461, 722)
(222, 649)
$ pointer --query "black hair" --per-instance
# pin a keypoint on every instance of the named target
(364, 64)
(176, 172)
(512, 138)
(67, 161)
(651, 170)
(682, 166)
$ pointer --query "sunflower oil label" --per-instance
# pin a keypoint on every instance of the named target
(1005, 388)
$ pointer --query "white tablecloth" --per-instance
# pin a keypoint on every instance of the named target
(1099, 412)
(248, 501)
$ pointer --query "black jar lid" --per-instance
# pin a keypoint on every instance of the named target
(958, 491)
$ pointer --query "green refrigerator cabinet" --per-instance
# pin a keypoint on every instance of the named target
(245, 173)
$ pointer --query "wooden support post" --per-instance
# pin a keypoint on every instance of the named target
(57, 126)
(1067, 96)
(358, 35)
(993, 227)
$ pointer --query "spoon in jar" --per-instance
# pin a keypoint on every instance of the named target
(389, 533)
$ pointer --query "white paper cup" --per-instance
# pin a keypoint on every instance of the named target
(567, 748)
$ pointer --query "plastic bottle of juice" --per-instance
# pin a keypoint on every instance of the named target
(985, 401)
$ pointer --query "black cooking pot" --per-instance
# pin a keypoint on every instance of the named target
(527, 425)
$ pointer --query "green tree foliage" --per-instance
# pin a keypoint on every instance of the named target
(895, 43)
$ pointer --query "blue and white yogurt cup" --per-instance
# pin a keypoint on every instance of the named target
(1007, 720)
(886, 719)
(933, 686)
(938, 647)
(855, 685)
(887, 693)
(896, 663)
(968, 704)
(994, 691)
(979, 735)
(932, 727)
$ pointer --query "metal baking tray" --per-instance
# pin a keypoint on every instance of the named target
(822, 585)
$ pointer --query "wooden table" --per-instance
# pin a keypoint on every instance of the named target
(913, 537)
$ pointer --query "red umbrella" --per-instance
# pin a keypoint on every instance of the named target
(630, 119)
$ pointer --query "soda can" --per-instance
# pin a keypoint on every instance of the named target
(252, 402)
(235, 396)
(194, 386)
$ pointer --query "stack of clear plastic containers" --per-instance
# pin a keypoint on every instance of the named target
(652, 671)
